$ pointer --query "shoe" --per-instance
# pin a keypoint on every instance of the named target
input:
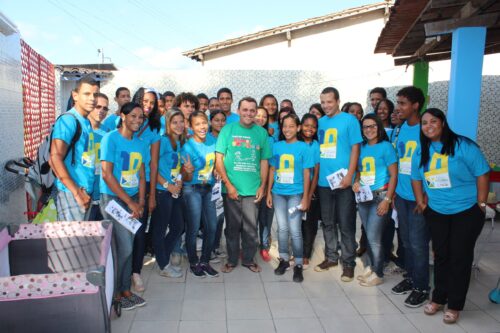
(214, 259)
(403, 287)
(127, 304)
(137, 300)
(282, 267)
(347, 274)
(137, 282)
(366, 273)
(360, 251)
(371, 281)
(175, 259)
(264, 253)
(432, 308)
(209, 271)
(297, 274)
(171, 272)
(197, 270)
(392, 269)
(450, 316)
(325, 265)
(219, 253)
(417, 298)
(305, 264)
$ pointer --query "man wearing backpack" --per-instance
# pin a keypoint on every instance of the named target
(72, 156)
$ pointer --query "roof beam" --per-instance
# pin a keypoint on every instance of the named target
(447, 26)
(447, 3)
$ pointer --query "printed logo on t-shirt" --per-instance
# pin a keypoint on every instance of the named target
(436, 173)
(176, 165)
(285, 173)
(131, 163)
(97, 160)
(368, 171)
(89, 153)
(205, 174)
(328, 149)
(405, 152)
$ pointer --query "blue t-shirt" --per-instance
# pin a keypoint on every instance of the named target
(406, 144)
(202, 155)
(232, 118)
(275, 127)
(373, 164)
(127, 157)
(162, 125)
(450, 181)
(82, 172)
(110, 123)
(388, 131)
(212, 136)
(169, 163)
(289, 161)
(148, 138)
(337, 135)
(98, 135)
(314, 151)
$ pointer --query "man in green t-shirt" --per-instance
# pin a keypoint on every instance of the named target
(242, 152)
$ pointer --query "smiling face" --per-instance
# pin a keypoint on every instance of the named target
(432, 127)
(383, 111)
(218, 121)
(356, 111)
(247, 112)
(176, 125)
(133, 121)
(161, 107)
(290, 129)
(270, 104)
(261, 117)
(169, 101)
(309, 128)
(370, 130)
(405, 108)
(213, 104)
(148, 103)
(375, 98)
(225, 101)
(199, 124)
(329, 104)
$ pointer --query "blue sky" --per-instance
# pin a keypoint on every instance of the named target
(137, 34)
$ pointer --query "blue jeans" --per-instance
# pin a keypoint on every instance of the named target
(415, 237)
(289, 224)
(265, 220)
(374, 227)
(123, 240)
(168, 213)
(339, 207)
(198, 202)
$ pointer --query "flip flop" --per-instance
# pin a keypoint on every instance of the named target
(253, 267)
(450, 317)
(227, 268)
(432, 308)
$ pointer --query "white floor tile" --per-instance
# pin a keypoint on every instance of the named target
(165, 291)
(389, 323)
(151, 326)
(321, 289)
(338, 306)
(248, 309)
(159, 310)
(432, 324)
(348, 324)
(478, 322)
(211, 326)
(203, 310)
(201, 291)
(310, 325)
(374, 305)
(251, 326)
(283, 290)
(291, 308)
(244, 290)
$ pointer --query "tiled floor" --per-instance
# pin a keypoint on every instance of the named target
(242, 301)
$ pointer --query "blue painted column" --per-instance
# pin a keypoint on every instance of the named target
(464, 94)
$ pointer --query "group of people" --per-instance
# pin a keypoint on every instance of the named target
(188, 166)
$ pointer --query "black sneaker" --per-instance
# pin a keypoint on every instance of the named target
(282, 267)
(417, 298)
(127, 304)
(209, 271)
(297, 274)
(403, 287)
(137, 300)
(197, 270)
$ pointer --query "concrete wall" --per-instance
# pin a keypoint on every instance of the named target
(12, 197)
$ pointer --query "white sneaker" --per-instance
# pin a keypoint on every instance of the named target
(371, 281)
(392, 269)
(175, 259)
(366, 273)
(138, 283)
(171, 272)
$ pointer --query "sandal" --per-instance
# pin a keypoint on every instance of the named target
(253, 267)
(432, 308)
(227, 268)
(450, 316)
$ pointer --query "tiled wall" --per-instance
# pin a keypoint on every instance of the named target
(12, 195)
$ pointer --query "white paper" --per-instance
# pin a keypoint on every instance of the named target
(122, 216)
(219, 207)
(394, 216)
(216, 191)
(335, 178)
(365, 194)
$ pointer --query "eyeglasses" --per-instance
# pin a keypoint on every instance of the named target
(105, 108)
(370, 126)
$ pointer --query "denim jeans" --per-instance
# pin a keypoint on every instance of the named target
(265, 220)
(374, 227)
(339, 207)
(95, 212)
(310, 226)
(199, 209)
(241, 220)
(124, 241)
(168, 213)
(415, 237)
(140, 238)
(289, 224)
(220, 228)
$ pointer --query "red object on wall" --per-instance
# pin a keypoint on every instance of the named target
(38, 98)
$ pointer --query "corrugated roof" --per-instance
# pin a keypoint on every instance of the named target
(93, 67)
(196, 53)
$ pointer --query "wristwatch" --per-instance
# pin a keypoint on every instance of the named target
(389, 200)
(165, 185)
(482, 204)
